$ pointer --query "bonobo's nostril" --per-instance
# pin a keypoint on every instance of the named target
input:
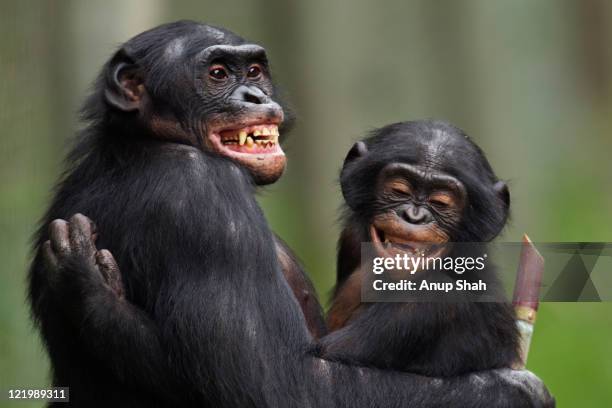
(416, 215)
(250, 94)
(249, 97)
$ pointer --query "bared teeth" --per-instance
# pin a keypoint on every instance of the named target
(262, 136)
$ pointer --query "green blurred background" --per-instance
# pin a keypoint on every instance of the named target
(530, 81)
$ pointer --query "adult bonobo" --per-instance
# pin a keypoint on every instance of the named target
(195, 311)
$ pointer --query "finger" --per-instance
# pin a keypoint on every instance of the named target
(58, 233)
(80, 234)
(49, 257)
(52, 264)
(110, 271)
(94, 230)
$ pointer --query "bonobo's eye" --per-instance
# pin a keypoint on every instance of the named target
(442, 199)
(217, 72)
(399, 187)
(254, 71)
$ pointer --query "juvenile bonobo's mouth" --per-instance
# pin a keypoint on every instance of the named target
(253, 143)
(391, 237)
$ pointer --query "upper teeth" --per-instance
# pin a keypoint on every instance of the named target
(264, 136)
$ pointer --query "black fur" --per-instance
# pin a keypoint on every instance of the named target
(208, 318)
(437, 338)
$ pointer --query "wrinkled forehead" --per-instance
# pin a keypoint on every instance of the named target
(425, 175)
(245, 51)
(201, 49)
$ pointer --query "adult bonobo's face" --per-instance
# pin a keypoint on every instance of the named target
(244, 119)
(200, 85)
(418, 186)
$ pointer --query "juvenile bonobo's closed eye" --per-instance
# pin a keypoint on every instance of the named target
(124, 83)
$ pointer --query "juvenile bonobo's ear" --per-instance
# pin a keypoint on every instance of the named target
(499, 213)
(502, 192)
(358, 150)
(124, 87)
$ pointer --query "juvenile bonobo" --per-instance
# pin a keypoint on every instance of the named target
(414, 188)
(191, 304)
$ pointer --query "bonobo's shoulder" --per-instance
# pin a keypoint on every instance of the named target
(527, 387)
(157, 172)
(179, 152)
(186, 161)
(174, 159)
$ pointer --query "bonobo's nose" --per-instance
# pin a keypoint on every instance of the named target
(250, 94)
(417, 215)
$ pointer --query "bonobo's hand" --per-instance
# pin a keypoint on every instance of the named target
(74, 264)
(527, 388)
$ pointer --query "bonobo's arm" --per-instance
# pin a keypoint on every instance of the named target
(89, 284)
(123, 330)
(381, 335)
(91, 279)
(368, 387)
(302, 289)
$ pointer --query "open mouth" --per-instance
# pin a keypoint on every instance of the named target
(258, 139)
(391, 242)
(252, 143)
(396, 244)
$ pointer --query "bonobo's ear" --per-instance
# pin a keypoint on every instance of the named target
(124, 88)
(495, 226)
(501, 189)
(358, 150)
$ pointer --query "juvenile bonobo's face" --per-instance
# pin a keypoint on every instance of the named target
(417, 187)
(415, 209)
(195, 84)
